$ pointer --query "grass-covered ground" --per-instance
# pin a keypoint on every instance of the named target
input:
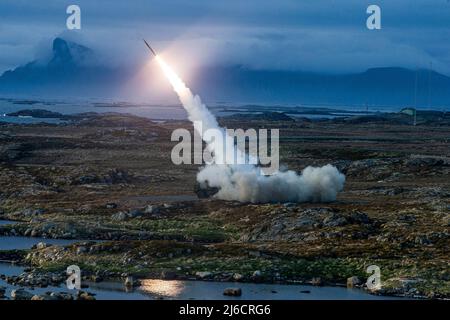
(97, 178)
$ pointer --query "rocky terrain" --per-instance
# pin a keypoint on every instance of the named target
(109, 177)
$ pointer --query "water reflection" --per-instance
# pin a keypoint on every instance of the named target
(165, 288)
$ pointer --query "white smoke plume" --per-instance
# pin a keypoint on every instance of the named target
(246, 183)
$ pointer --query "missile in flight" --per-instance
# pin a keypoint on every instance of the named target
(149, 47)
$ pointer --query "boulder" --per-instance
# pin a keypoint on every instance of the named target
(41, 245)
(119, 216)
(129, 282)
(151, 209)
(82, 295)
(317, 281)
(234, 292)
(81, 250)
(335, 220)
(168, 275)
(203, 274)
(21, 294)
(257, 276)
(353, 282)
(238, 277)
(135, 213)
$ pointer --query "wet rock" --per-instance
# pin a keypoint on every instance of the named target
(21, 294)
(234, 292)
(82, 295)
(257, 276)
(53, 296)
(129, 282)
(305, 291)
(2, 292)
(353, 282)
(168, 275)
(61, 296)
(97, 278)
(238, 277)
(317, 281)
(203, 274)
(41, 245)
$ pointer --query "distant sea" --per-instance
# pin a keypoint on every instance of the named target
(170, 112)
(158, 112)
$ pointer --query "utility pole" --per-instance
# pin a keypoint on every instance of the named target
(415, 97)
(429, 84)
(416, 80)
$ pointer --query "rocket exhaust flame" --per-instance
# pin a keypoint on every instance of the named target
(245, 182)
(177, 84)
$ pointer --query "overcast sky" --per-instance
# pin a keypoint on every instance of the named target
(313, 35)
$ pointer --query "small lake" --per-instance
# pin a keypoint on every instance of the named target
(200, 290)
(7, 222)
(21, 243)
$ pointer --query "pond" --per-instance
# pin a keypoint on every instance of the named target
(199, 290)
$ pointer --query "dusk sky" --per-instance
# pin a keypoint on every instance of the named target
(322, 35)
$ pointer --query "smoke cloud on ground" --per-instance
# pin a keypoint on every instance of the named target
(246, 182)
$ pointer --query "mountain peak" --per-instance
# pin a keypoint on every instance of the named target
(66, 53)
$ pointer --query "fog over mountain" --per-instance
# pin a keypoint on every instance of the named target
(73, 69)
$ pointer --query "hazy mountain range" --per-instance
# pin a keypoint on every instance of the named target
(75, 69)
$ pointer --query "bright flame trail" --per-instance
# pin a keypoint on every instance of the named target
(245, 182)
